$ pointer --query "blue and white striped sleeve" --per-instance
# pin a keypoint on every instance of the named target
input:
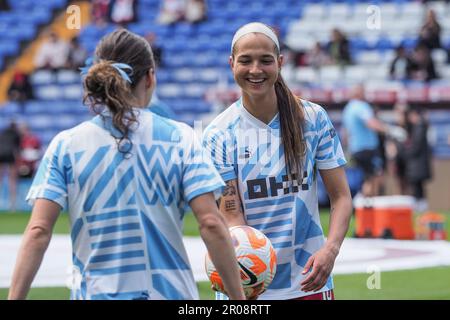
(50, 181)
(220, 148)
(329, 153)
(199, 174)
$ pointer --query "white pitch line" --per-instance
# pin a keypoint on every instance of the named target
(356, 256)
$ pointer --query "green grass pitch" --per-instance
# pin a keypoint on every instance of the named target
(428, 283)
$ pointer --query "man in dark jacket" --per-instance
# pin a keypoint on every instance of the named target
(9, 151)
(418, 156)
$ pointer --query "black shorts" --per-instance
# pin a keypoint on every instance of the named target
(369, 161)
(7, 159)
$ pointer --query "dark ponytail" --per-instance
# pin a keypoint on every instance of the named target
(105, 86)
(291, 122)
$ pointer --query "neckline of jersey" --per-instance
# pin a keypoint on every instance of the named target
(273, 124)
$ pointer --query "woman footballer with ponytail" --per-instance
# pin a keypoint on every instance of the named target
(269, 146)
(124, 178)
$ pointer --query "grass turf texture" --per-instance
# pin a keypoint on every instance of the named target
(430, 283)
(15, 223)
(419, 284)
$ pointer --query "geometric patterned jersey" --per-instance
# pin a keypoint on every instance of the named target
(126, 209)
(284, 207)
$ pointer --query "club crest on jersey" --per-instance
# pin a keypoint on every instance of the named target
(332, 132)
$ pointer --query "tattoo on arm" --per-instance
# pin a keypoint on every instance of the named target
(230, 190)
(230, 205)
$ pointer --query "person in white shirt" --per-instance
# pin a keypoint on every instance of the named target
(52, 54)
(269, 147)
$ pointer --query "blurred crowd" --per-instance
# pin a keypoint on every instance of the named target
(122, 12)
(416, 64)
(192, 11)
(381, 149)
(20, 152)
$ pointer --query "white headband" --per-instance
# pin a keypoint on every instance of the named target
(252, 27)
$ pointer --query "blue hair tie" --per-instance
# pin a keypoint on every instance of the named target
(87, 65)
(120, 67)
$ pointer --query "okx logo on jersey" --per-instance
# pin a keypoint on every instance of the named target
(270, 187)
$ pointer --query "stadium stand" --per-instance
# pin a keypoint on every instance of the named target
(32, 16)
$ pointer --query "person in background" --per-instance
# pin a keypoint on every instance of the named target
(123, 11)
(361, 132)
(398, 69)
(421, 66)
(317, 57)
(417, 156)
(171, 11)
(430, 32)
(100, 12)
(77, 55)
(9, 152)
(30, 152)
(399, 157)
(381, 152)
(52, 54)
(195, 11)
(338, 48)
(20, 89)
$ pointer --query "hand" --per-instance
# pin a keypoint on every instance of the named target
(321, 265)
(397, 133)
(214, 288)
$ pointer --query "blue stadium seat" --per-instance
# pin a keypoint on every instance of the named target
(9, 109)
(139, 28)
(72, 92)
(48, 92)
(41, 16)
(68, 77)
(358, 44)
(38, 108)
(384, 44)
(184, 75)
(184, 30)
(163, 76)
(8, 47)
(175, 61)
(409, 43)
(42, 77)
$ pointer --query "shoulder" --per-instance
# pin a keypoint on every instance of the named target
(59, 144)
(314, 113)
(227, 119)
(161, 121)
(165, 129)
(81, 135)
(225, 123)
